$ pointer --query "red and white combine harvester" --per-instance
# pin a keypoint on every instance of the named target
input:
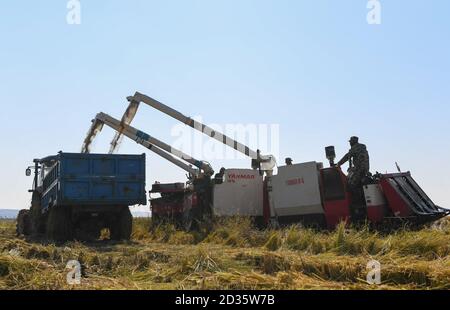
(299, 193)
(310, 194)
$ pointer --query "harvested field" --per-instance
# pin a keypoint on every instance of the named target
(232, 255)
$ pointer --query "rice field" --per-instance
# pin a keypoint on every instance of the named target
(232, 255)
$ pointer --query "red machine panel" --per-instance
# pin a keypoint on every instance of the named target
(336, 199)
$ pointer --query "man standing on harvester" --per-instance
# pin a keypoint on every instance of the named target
(358, 158)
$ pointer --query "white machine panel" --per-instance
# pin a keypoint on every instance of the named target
(240, 194)
(374, 195)
(296, 191)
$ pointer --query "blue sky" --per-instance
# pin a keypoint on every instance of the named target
(316, 68)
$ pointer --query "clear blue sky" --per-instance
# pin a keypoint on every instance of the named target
(314, 67)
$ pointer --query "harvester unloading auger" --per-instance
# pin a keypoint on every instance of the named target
(182, 203)
(157, 146)
(264, 162)
(305, 192)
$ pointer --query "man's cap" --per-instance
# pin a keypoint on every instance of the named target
(288, 159)
(354, 139)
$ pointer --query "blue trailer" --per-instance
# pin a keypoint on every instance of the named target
(77, 195)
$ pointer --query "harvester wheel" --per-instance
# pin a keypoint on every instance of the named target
(187, 220)
(23, 226)
(155, 221)
(59, 224)
(121, 226)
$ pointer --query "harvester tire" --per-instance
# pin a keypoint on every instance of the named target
(155, 221)
(121, 226)
(23, 226)
(59, 224)
(187, 220)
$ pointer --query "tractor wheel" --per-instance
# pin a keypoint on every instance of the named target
(121, 226)
(23, 226)
(59, 224)
(38, 220)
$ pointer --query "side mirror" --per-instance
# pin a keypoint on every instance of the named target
(28, 172)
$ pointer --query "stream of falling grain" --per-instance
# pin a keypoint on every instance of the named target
(127, 118)
(95, 128)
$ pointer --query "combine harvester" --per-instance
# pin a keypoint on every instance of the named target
(304, 192)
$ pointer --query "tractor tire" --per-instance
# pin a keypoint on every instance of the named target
(121, 225)
(38, 220)
(23, 226)
(59, 224)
